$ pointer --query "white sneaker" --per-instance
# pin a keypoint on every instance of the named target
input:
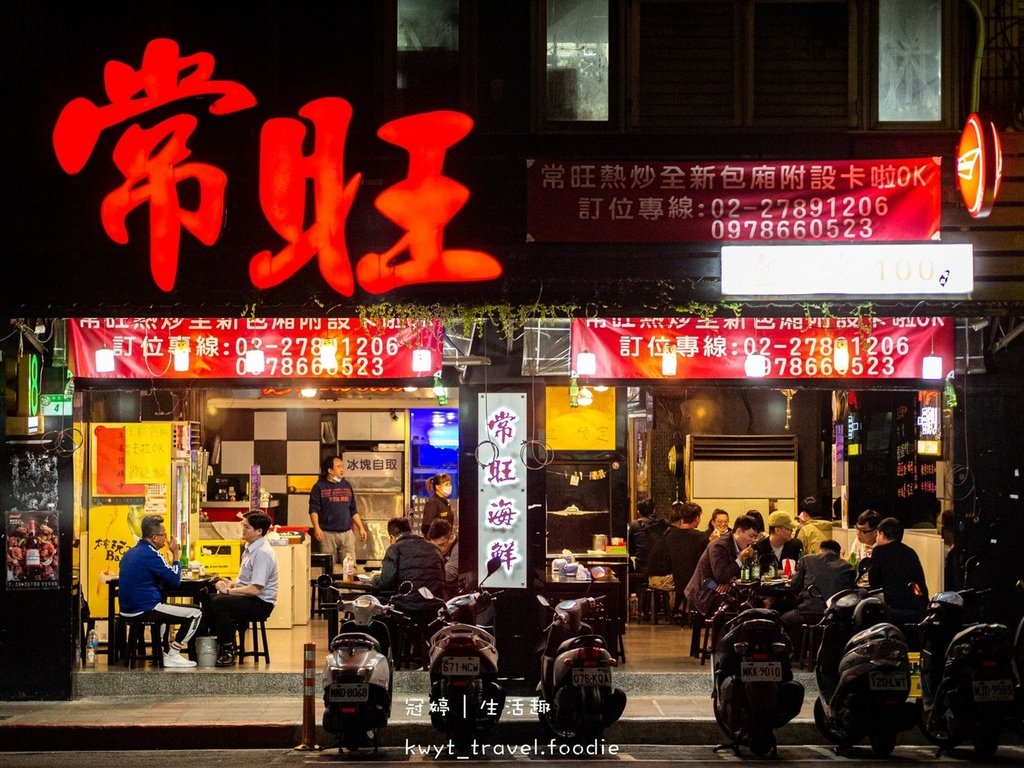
(174, 660)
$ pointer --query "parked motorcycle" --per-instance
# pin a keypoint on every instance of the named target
(753, 691)
(575, 674)
(465, 698)
(967, 679)
(357, 675)
(863, 674)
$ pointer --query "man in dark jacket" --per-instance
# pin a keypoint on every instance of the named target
(414, 559)
(896, 569)
(829, 574)
(720, 565)
(675, 554)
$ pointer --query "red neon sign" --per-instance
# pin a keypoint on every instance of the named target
(979, 165)
(154, 162)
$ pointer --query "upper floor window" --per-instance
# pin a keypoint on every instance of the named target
(578, 70)
(429, 71)
(909, 60)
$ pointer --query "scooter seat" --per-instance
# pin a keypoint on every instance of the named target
(350, 639)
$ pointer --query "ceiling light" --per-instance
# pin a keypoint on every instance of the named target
(254, 361)
(422, 361)
(308, 392)
(586, 397)
(586, 363)
(105, 360)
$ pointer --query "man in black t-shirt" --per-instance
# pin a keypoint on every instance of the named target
(675, 553)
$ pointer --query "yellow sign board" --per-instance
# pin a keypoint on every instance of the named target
(584, 428)
(147, 452)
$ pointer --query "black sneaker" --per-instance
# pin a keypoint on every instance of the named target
(226, 657)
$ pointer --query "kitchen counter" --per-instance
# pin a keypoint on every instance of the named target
(232, 511)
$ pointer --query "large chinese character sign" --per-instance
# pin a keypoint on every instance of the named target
(501, 524)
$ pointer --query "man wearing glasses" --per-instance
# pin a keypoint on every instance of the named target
(252, 596)
(867, 535)
(143, 575)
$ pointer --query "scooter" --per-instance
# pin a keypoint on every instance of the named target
(575, 675)
(967, 678)
(753, 691)
(466, 700)
(863, 674)
(357, 676)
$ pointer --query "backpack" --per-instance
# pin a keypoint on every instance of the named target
(643, 541)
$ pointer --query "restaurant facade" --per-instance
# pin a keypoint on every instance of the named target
(575, 253)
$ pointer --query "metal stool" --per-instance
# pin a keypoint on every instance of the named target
(809, 642)
(259, 633)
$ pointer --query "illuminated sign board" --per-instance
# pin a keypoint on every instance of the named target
(721, 201)
(301, 177)
(862, 270)
(501, 483)
(792, 347)
(979, 165)
(301, 348)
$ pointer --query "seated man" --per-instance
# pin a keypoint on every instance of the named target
(252, 596)
(441, 536)
(813, 529)
(896, 570)
(779, 544)
(719, 566)
(680, 548)
(414, 559)
(829, 574)
(142, 576)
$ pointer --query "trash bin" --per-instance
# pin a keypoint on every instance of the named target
(206, 652)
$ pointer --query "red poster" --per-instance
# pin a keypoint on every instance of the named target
(215, 348)
(110, 464)
(795, 347)
(719, 201)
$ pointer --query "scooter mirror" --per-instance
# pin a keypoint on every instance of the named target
(492, 567)
(426, 593)
(543, 601)
(405, 588)
(325, 580)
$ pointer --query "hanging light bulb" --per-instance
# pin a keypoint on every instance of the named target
(586, 363)
(440, 392)
(255, 362)
(756, 366)
(586, 397)
(329, 354)
(931, 368)
(841, 356)
(668, 364)
(422, 361)
(574, 390)
(179, 351)
(105, 360)
(307, 392)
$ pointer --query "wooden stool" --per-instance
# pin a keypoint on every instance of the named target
(700, 636)
(259, 633)
(655, 601)
(809, 642)
(325, 563)
(136, 647)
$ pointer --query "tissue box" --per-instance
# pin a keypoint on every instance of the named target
(613, 550)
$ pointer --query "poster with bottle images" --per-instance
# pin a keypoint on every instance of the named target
(33, 551)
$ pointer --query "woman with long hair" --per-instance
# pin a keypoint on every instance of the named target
(438, 507)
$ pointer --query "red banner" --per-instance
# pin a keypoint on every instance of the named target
(795, 347)
(814, 200)
(216, 347)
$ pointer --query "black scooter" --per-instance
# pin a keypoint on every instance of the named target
(967, 678)
(753, 690)
(863, 674)
(575, 674)
(466, 699)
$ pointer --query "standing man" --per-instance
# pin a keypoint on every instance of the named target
(252, 596)
(142, 576)
(719, 566)
(896, 570)
(332, 510)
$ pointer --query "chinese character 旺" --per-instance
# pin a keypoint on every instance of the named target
(284, 173)
(501, 472)
(422, 204)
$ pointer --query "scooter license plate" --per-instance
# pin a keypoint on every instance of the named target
(888, 680)
(993, 690)
(591, 676)
(761, 671)
(456, 666)
(342, 692)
